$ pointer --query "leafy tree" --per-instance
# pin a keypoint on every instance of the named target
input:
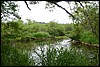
(56, 29)
(60, 30)
(88, 17)
(8, 8)
(68, 28)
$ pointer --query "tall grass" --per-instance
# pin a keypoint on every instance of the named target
(12, 56)
(50, 56)
(61, 57)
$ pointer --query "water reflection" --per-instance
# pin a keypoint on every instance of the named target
(39, 48)
(36, 51)
(65, 44)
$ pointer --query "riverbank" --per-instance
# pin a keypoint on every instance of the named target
(33, 39)
(84, 43)
(42, 39)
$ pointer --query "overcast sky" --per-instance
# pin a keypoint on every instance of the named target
(40, 14)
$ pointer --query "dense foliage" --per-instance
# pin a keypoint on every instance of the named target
(12, 56)
(17, 30)
(87, 19)
(8, 9)
(89, 37)
(50, 56)
(85, 27)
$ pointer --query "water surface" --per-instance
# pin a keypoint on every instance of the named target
(35, 47)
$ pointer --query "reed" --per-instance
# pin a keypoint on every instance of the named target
(65, 57)
(12, 56)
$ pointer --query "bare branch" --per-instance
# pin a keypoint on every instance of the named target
(27, 5)
(55, 2)
(62, 8)
(81, 4)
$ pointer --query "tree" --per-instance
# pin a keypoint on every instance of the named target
(55, 29)
(86, 24)
(88, 17)
(9, 8)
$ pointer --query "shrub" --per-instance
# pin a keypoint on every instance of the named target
(41, 35)
(88, 37)
(27, 36)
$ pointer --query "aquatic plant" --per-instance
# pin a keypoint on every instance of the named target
(65, 57)
(12, 56)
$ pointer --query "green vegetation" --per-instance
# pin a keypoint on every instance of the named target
(85, 28)
(9, 8)
(61, 37)
(41, 35)
(89, 37)
(17, 30)
(12, 56)
(16, 56)
(65, 57)
(86, 19)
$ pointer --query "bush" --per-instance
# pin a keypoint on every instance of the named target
(27, 36)
(89, 38)
(41, 35)
(74, 36)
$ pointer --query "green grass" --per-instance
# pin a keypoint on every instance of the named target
(12, 56)
(61, 57)
(61, 37)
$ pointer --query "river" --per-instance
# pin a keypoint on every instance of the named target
(36, 47)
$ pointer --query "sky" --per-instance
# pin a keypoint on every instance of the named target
(40, 14)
